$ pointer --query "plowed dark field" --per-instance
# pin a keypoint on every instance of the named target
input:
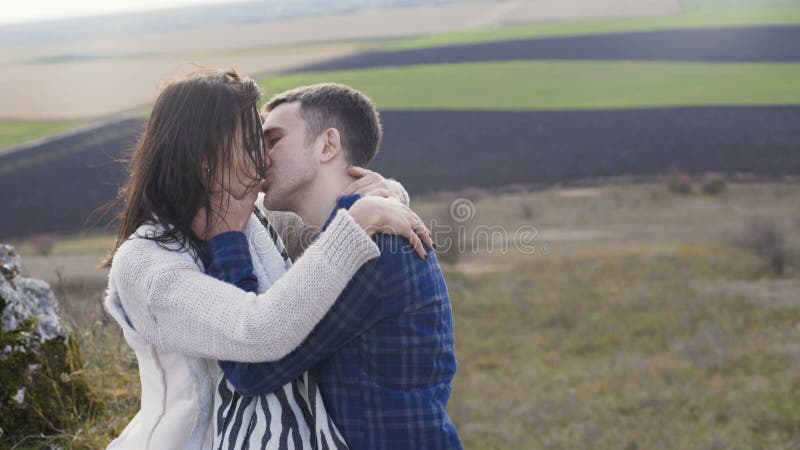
(56, 185)
(745, 44)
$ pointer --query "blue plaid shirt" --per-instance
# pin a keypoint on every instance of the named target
(227, 257)
(384, 354)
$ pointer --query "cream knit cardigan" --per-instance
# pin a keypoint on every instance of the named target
(180, 321)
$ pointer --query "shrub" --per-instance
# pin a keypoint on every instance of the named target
(679, 182)
(527, 211)
(766, 238)
(453, 228)
(713, 184)
(43, 243)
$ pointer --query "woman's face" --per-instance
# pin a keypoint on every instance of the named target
(239, 176)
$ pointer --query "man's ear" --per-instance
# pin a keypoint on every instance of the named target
(332, 145)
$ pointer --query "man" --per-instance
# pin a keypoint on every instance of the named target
(384, 355)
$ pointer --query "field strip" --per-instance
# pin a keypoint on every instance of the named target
(750, 44)
(369, 24)
(17, 132)
(559, 85)
(529, 85)
(98, 88)
(444, 150)
(703, 19)
(552, 10)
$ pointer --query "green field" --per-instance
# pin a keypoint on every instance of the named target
(564, 85)
(17, 132)
(693, 19)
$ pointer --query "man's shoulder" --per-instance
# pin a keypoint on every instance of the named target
(398, 249)
(399, 260)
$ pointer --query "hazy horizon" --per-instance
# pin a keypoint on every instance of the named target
(125, 18)
(52, 10)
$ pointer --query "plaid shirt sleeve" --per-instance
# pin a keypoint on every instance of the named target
(227, 258)
(356, 310)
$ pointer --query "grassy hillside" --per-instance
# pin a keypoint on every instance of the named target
(635, 323)
(564, 85)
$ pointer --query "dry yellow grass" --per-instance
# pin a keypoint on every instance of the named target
(551, 10)
(90, 89)
(641, 328)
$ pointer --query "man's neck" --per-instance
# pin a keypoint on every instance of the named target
(321, 198)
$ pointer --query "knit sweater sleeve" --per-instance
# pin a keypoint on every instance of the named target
(296, 236)
(177, 307)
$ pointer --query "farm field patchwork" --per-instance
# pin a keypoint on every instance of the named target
(136, 73)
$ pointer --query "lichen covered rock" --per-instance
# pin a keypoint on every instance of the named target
(39, 393)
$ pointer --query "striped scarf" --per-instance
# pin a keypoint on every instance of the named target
(293, 417)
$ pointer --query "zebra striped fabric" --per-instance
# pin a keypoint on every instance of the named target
(273, 234)
(294, 417)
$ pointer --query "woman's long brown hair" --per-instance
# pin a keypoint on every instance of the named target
(196, 125)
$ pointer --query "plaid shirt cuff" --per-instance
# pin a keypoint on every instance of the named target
(228, 259)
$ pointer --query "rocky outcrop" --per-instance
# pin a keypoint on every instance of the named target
(39, 393)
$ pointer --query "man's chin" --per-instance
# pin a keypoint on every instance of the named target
(272, 201)
(268, 203)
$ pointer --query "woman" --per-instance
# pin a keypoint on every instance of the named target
(195, 174)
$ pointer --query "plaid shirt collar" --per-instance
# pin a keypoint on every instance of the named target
(343, 202)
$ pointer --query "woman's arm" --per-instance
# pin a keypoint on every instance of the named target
(175, 306)
(297, 237)
(178, 308)
(372, 183)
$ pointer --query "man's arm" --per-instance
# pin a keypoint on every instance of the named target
(356, 310)
(228, 259)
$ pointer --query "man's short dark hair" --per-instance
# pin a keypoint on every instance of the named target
(330, 105)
